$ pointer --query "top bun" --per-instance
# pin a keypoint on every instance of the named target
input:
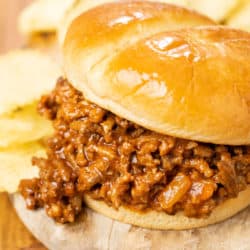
(190, 83)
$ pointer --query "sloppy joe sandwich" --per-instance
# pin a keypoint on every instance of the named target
(151, 120)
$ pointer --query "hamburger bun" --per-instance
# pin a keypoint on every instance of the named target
(186, 83)
(84, 5)
(164, 221)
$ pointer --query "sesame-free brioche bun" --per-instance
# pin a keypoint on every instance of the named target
(206, 7)
(163, 221)
(190, 83)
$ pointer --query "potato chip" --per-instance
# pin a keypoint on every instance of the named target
(218, 10)
(16, 165)
(23, 125)
(43, 15)
(25, 75)
(241, 17)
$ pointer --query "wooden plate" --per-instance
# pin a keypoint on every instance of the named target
(94, 231)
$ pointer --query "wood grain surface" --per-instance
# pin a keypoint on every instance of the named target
(94, 231)
(9, 36)
(13, 234)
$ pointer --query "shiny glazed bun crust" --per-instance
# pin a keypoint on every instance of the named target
(191, 83)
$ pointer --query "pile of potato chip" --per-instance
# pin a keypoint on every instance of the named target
(25, 75)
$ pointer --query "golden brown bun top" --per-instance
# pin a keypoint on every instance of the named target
(190, 83)
(112, 20)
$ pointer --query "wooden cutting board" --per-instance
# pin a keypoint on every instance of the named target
(94, 231)
(9, 12)
(13, 234)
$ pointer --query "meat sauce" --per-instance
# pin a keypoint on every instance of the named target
(95, 152)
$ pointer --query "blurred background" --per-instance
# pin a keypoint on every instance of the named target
(9, 37)
(13, 234)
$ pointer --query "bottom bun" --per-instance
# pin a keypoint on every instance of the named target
(95, 231)
(163, 221)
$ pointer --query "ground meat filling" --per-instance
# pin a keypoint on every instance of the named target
(112, 159)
